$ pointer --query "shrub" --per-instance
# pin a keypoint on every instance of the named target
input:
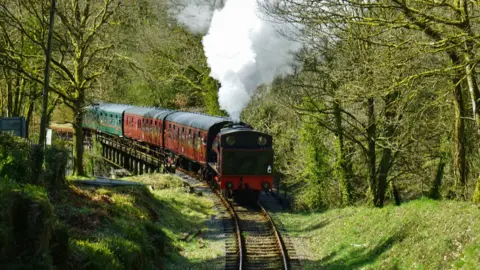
(18, 159)
(15, 158)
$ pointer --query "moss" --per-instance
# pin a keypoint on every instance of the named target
(476, 195)
(92, 255)
(129, 253)
(27, 223)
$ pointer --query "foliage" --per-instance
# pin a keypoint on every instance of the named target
(15, 154)
(389, 89)
(320, 193)
(17, 159)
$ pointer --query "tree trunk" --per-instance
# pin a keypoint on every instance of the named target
(78, 139)
(343, 162)
(396, 194)
(31, 108)
(387, 155)
(18, 95)
(371, 136)
(435, 191)
(469, 55)
(79, 101)
(9, 97)
(459, 160)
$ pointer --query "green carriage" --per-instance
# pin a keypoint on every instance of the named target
(106, 118)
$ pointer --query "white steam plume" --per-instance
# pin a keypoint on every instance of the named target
(195, 14)
(243, 50)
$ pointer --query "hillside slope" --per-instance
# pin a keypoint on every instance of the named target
(421, 234)
(162, 225)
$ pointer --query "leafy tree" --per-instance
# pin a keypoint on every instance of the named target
(80, 55)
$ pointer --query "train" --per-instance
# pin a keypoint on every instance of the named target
(230, 155)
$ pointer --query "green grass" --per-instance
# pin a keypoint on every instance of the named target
(73, 177)
(422, 234)
(133, 227)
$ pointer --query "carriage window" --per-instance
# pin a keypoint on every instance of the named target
(198, 141)
(189, 142)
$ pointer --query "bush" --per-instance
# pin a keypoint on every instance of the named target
(18, 158)
(15, 158)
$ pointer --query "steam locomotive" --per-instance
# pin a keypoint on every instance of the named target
(232, 156)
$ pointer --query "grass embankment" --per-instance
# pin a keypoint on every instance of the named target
(421, 234)
(128, 227)
(135, 228)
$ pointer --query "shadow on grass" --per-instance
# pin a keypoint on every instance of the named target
(349, 257)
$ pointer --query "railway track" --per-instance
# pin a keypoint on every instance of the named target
(253, 241)
(263, 246)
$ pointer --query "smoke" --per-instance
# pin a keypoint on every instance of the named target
(195, 14)
(245, 51)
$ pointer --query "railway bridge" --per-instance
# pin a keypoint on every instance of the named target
(120, 152)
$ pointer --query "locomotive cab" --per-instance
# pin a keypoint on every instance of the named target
(244, 160)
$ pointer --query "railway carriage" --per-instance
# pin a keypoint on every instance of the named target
(145, 124)
(106, 118)
(190, 135)
(230, 155)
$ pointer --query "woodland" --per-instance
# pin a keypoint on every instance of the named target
(383, 108)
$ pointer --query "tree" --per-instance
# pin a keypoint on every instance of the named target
(431, 27)
(80, 56)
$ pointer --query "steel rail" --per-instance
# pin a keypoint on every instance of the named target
(232, 213)
(277, 236)
(237, 228)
